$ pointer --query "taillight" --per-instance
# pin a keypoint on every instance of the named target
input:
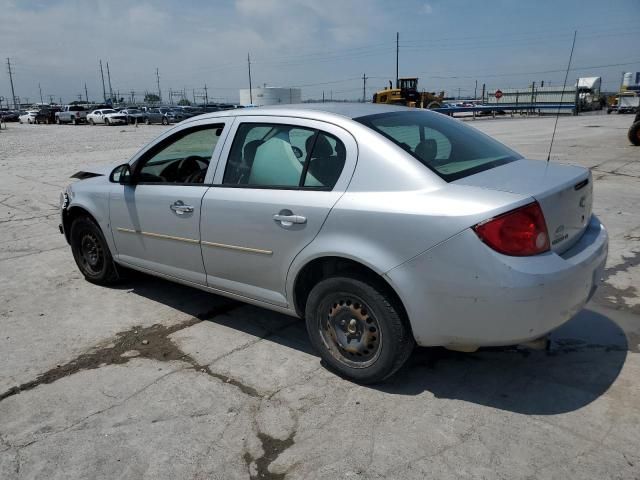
(519, 233)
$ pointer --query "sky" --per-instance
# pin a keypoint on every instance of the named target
(317, 45)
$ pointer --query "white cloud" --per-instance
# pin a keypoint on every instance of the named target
(426, 9)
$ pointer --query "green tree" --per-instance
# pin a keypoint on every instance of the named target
(184, 102)
(151, 98)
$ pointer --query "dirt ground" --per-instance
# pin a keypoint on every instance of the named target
(154, 380)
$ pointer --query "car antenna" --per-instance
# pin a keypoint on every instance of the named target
(575, 32)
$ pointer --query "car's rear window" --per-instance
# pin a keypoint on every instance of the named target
(446, 146)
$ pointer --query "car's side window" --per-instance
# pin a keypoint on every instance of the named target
(283, 156)
(182, 158)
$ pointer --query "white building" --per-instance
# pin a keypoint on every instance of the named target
(270, 96)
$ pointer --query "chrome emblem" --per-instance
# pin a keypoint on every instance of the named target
(583, 202)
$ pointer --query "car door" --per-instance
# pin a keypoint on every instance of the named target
(155, 221)
(269, 200)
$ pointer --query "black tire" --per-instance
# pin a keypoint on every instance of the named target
(107, 122)
(345, 309)
(634, 134)
(165, 121)
(147, 121)
(91, 122)
(75, 121)
(91, 252)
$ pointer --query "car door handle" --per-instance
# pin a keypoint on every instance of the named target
(179, 208)
(288, 220)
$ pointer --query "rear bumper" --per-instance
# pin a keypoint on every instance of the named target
(463, 293)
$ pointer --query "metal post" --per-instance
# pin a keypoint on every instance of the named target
(86, 93)
(533, 87)
(13, 93)
(104, 91)
(110, 89)
(250, 90)
(475, 91)
(158, 84)
(364, 87)
(484, 88)
(576, 100)
(397, 57)
(206, 95)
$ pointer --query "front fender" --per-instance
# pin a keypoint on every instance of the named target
(92, 196)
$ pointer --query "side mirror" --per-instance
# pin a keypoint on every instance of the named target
(121, 174)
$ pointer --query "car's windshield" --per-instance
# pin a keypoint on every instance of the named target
(109, 111)
(446, 146)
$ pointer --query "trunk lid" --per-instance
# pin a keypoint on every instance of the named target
(564, 192)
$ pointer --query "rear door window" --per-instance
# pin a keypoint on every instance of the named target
(283, 156)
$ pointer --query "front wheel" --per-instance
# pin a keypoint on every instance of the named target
(91, 252)
(357, 328)
(634, 134)
(91, 122)
(165, 121)
(107, 122)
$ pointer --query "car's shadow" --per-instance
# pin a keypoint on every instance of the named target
(585, 357)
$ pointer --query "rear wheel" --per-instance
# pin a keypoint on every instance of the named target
(147, 121)
(634, 134)
(357, 328)
(91, 122)
(91, 252)
(165, 121)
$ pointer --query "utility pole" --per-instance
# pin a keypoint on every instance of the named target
(40, 88)
(110, 89)
(104, 91)
(50, 98)
(364, 87)
(13, 93)
(158, 84)
(133, 96)
(397, 56)
(483, 91)
(475, 91)
(86, 93)
(458, 93)
(322, 96)
(250, 92)
(206, 95)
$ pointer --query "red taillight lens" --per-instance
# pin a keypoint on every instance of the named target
(520, 232)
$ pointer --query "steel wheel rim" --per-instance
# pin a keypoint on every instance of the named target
(350, 331)
(91, 254)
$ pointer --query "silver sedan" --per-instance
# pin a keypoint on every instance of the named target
(381, 226)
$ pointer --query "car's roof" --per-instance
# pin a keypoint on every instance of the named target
(343, 109)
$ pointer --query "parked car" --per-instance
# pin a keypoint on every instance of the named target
(634, 131)
(9, 115)
(75, 114)
(28, 117)
(133, 115)
(108, 116)
(157, 115)
(382, 226)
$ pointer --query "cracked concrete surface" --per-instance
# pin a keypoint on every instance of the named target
(155, 380)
